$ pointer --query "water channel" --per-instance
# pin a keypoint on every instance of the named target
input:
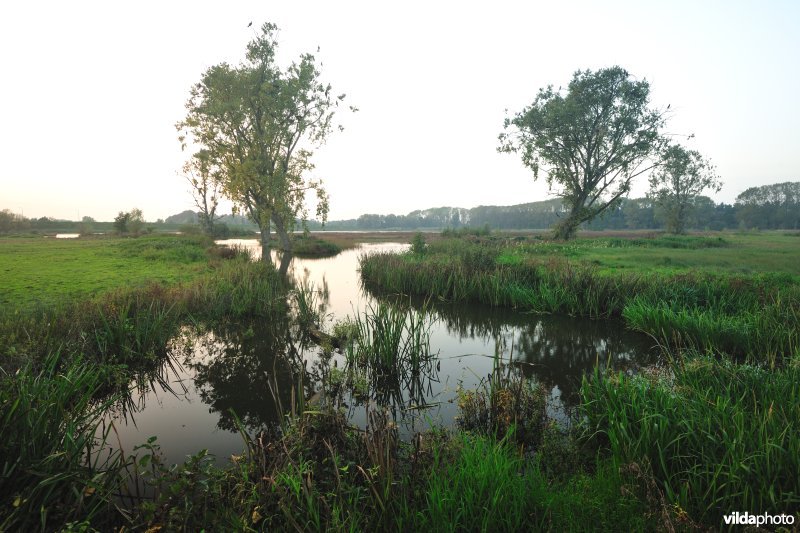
(236, 368)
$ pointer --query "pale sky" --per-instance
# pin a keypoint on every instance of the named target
(90, 92)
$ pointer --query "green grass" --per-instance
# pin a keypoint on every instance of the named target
(749, 315)
(48, 270)
(716, 435)
(53, 457)
(724, 252)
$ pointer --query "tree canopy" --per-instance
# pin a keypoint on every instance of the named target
(591, 140)
(257, 124)
(677, 183)
(775, 206)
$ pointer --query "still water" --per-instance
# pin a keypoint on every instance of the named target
(250, 368)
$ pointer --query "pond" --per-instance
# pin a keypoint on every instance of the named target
(251, 368)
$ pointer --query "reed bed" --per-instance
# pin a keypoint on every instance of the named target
(753, 316)
(716, 435)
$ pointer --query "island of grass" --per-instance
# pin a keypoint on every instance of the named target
(307, 245)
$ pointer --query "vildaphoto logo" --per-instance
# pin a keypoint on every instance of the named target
(747, 519)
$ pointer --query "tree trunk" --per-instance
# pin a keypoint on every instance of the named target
(265, 249)
(568, 228)
(280, 229)
(286, 259)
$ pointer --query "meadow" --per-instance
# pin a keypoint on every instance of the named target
(52, 271)
(710, 430)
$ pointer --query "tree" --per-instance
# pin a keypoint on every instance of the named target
(8, 221)
(130, 222)
(775, 206)
(592, 140)
(86, 227)
(206, 188)
(258, 124)
(121, 222)
(677, 182)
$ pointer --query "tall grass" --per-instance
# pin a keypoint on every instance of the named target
(755, 316)
(504, 403)
(716, 435)
(391, 345)
(55, 458)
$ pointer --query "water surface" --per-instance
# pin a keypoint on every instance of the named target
(250, 368)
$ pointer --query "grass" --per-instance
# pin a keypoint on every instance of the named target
(45, 271)
(321, 474)
(387, 354)
(722, 252)
(312, 246)
(716, 435)
(53, 456)
(746, 315)
(705, 437)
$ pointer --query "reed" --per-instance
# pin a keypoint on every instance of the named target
(715, 434)
(55, 455)
(390, 346)
(755, 317)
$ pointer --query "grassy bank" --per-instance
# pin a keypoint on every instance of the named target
(746, 315)
(715, 435)
(705, 434)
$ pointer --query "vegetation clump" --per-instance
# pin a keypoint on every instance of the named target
(310, 246)
(715, 435)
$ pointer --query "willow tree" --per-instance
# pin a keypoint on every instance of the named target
(678, 182)
(591, 140)
(257, 124)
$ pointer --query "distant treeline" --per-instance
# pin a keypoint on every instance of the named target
(186, 221)
(775, 206)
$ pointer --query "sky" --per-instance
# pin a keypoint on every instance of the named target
(91, 92)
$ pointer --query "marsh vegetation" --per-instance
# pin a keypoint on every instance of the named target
(226, 396)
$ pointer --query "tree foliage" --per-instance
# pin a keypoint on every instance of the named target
(591, 140)
(206, 188)
(257, 124)
(129, 222)
(677, 183)
(775, 206)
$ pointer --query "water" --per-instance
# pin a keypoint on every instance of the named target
(250, 368)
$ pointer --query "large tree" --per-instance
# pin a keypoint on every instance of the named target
(591, 140)
(258, 124)
(677, 183)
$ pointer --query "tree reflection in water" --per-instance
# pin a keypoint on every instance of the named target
(555, 350)
(247, 369)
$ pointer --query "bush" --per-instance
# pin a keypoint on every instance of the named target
(418, 245)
